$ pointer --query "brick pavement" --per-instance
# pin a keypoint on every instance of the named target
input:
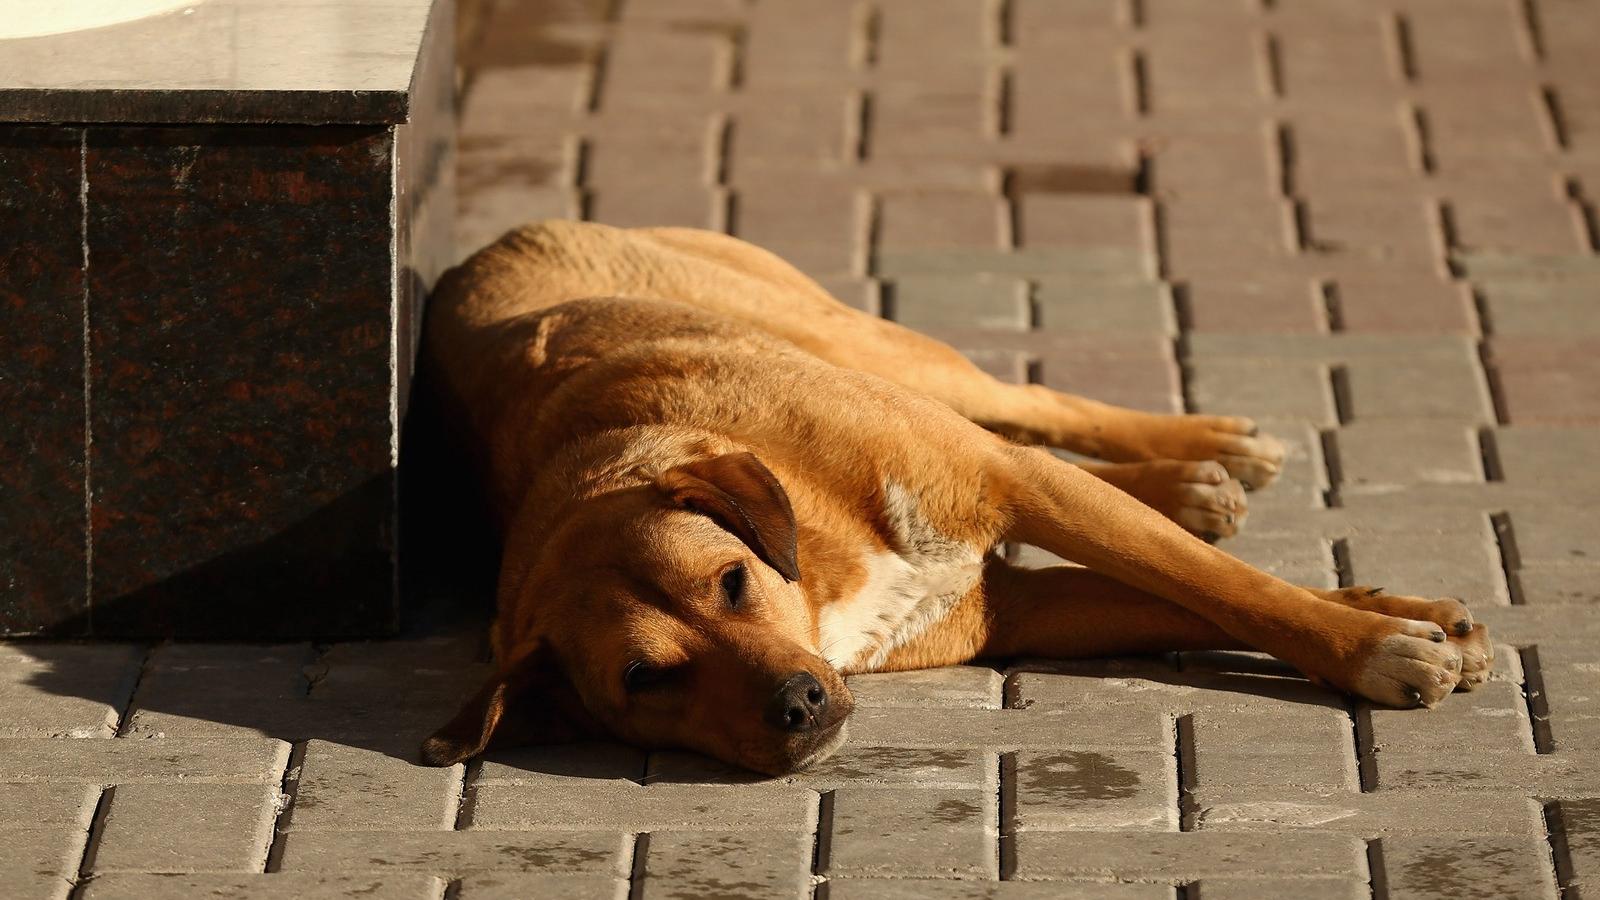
(1369, 223)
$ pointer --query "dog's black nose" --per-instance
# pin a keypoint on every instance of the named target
(798, 704)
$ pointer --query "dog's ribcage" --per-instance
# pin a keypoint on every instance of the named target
(909, 587)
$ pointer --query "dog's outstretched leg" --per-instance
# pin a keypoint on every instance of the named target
(1385, 658)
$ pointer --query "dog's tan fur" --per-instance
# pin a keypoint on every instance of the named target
(651, 407)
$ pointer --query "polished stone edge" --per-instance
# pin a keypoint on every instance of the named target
(203, 107)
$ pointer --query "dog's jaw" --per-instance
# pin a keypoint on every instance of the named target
(827, 748)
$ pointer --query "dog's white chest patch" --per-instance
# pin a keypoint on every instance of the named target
(909, 587)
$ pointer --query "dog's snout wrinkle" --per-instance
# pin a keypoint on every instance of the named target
(798, 705)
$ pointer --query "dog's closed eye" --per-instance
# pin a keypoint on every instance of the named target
(733, 586)
(640, 675)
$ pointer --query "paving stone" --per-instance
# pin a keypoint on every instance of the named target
(930, 889)
(1186, 856)
(939, 221)
(276, 886)
(1140, 307)
(187, 828)
(518, 886)
(1086, 220)
(1548, 379)
(1030, 262)
(876, 766)
(65, 690)
(1090, 790)
(348, 789)
(1382, 455)
(1485, 771)
(458, 853)
(126, 760)
(1404, 304)
(1275, 728)
(1344, 811)
(1272, 889)
(1301, 391)
(42, 852)
(40, 805)
(1463, 564)
(968, 686)
(1109, 727)
(500, 805)
(1435, 867)
(1296, 559)
(725, 864)
(1554, 584)
(221, 690)
(30, 886)
(976, 301)
(1213, 767)
(946, 834)
(1451, 389)
(1546, 454)
(577, 763)
(1496, 715)
(1256, 303)
(1579, 821)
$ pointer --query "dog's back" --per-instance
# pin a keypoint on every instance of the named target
(546, 264)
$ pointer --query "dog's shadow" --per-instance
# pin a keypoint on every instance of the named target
(386, 696)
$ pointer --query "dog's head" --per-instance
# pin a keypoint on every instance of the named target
(667, 615)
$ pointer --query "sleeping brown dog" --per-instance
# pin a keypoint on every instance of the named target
(720, 490)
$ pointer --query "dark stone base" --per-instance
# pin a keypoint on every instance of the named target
(209, 339)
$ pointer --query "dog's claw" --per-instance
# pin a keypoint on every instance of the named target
(1373, 592)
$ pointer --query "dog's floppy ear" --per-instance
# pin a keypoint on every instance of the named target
(529, 702)
(744, 495)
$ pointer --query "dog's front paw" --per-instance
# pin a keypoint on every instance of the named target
(1254, 459)
(1200, 496)
(1397, 662)
(1450, 614)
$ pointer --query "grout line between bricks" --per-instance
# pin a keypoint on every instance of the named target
(822, 848)
(91, 844)
(1505, 540)
(1584, 209)
(1489, 458)
(289, 789)
(1341, 563)
(1141, 83)
(1328, 438)
(1533, 694)
(1377, 870)
(452, 890)
(467, 797)
(1272, 64)
(1183, 763)
(641, 850)
(871, 27)
(1361, 741)
(1532, 30)
(1332, 306)
(1004, 830)
(1421, 138)
(1555, 827)
(1339, 383)
(1554, 119)
(120, 729)
(1405, 57)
